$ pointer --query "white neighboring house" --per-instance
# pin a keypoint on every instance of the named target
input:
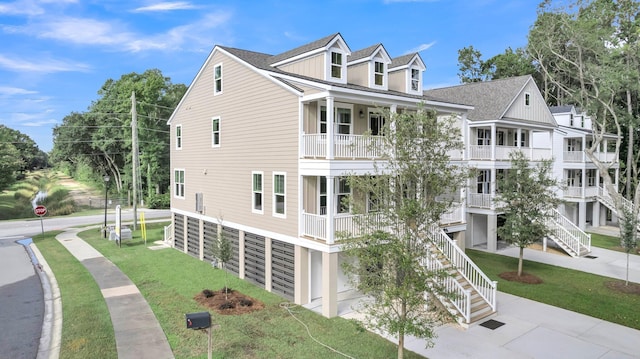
(586, 202)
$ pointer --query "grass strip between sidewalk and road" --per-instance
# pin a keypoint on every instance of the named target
(578, 291)
(169, 280)
(86, 325)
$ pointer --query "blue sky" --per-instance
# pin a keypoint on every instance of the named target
(56, 54)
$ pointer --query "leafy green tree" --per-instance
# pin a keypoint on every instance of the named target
(590, 52)
(222, 251)
(105, 131)
(510, 63)
(470, 66)
(407, 193)
(527, 196)
(629, 234)
(10, 161)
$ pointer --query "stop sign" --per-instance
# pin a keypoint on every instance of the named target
(40, 210)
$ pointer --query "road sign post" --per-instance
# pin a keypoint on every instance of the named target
(40, 211)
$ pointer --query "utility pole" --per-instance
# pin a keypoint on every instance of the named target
(134, 150)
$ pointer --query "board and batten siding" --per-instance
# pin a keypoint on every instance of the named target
(311, 66)
(359, 74)
(398, 80)
(258, 132)
(537, 111)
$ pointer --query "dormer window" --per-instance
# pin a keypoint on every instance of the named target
(378, 73)
(571, 120)
(415, 80)
(336, 65)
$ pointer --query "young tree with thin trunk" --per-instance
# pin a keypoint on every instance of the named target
(527, 196)
(222, 252)
(400, 204)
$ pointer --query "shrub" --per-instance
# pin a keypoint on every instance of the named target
(207, 293)
(159, 201)
(244, 302)
(226, 305)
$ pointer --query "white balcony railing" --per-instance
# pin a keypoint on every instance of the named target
(454, 215)
(344, 146)
(606, 156)
(481, 200)
(573, 192)
(483, 152)
(573, 156)
(580, 156)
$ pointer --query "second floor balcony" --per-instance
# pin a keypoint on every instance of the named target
(581, 156)
(501, 153)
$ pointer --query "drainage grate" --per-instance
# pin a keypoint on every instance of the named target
(492, 324)
(591, 257)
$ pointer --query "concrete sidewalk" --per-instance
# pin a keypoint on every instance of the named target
(535, 330)
(137, 332)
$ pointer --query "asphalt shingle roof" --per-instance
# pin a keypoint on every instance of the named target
(401, 60)
(364, 53)
(560, 109)
(490, 98)
(304, 48)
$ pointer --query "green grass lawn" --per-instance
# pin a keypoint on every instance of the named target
(565, 288)
(86, 329)
(609, 242)
(169, 280)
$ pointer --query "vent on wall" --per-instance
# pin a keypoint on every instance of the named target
(199, 203)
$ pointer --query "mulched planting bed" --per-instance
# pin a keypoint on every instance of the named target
(234, 303)
(619, 286)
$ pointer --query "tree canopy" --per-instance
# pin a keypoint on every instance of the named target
(18, 154)
(100, 138)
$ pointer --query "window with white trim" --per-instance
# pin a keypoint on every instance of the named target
(279, 194)
(257, 192)
(574, 178)
(415, 80)
(591, 177)
(178, 180)
(483, 182)
(378, 73)
(342, 120)
(178, 137)
(217, 79)
(322, 196)
(484, 136)
(527, 99)
(215, 132)
(343, 191)
(336, 65)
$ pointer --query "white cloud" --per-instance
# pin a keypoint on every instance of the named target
(42, 66)
(11, 91)
(116, 37)
(22, 7)
(41, 123)
(421, 47)
(166, 6)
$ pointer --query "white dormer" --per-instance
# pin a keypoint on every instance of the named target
(336, 61)
(370, 67)
(405, 74)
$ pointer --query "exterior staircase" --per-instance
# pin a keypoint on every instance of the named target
(568, 236)
(473, 294)
(605, 198)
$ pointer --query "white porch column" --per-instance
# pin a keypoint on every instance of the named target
(492, 232)
(492, 187)
(584, 146)
(493, 141)
(583, 184)
(330, 209)
(595, 215)
(329, 284)
(301, 282)
(582, 215)
(330, 127)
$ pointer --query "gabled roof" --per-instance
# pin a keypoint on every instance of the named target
(367, 53)
(491, 99)
(400, 62)
(561, 109)
(310, 47)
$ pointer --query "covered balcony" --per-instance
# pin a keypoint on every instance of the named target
(493, 143)
(574, 151)
(324, 217)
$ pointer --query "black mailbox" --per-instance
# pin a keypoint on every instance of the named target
(198, 320)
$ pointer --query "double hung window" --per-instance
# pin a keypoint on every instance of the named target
(178, 181)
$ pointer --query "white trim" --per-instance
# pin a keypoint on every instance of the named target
(179, 139)
(273, 185)
(214, 145)
(336, 106)
(328, 60)
(372, 74)
(253, 192)
(410, 89)
(217, 92)
(184, 186)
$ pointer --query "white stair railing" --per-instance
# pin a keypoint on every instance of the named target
(570, 234)
(607, 200)
(168, 234)
(460, 298)
(485, 287)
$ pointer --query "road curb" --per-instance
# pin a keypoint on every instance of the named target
(51, 337)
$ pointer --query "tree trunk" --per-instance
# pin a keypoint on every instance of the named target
(403, 314)
(520, 261)
(626, 282)
(628, 193)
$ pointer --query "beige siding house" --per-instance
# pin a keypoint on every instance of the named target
(260, 146)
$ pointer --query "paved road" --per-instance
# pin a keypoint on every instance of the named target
(21, 295)
(21, 302)
(32, 227)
